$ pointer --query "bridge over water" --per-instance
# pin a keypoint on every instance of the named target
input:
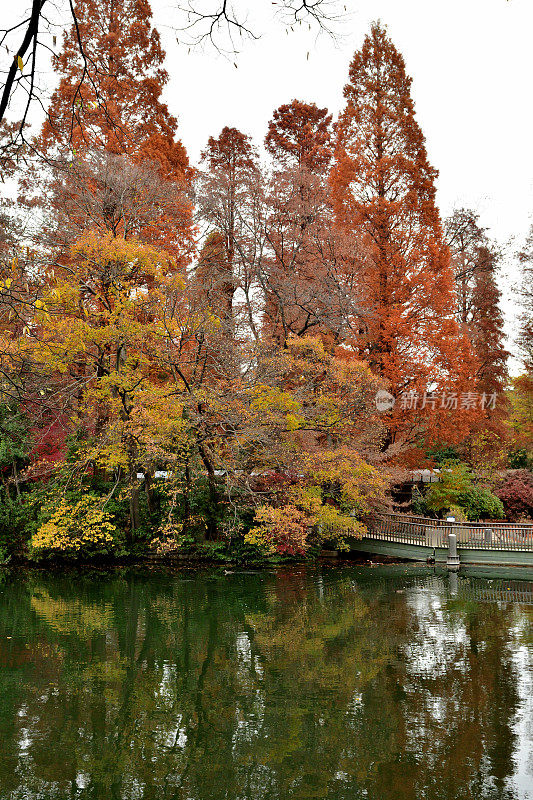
(424, 539)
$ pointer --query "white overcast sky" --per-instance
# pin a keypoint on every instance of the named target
(472, 67)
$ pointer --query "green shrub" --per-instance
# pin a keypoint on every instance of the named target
(455, 480)
(479, 503)
(456, 489)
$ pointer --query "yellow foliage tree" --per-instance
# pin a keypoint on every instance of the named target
(76, 529)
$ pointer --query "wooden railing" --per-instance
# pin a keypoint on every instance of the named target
(434, 532)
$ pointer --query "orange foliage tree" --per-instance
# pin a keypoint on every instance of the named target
(475, 265)
(299, 135)
(109, 93)
(384, 187)
(108, 137)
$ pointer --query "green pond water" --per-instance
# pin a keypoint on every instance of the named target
(383, 683)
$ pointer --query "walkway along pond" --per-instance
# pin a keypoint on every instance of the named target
(424, 539)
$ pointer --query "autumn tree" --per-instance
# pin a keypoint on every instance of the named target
(306, 270)
(521, 394)
(229, 198)
(299, 135)
(213, 281)
(384, 186)
(109, 94)
(486, 328)
(525, 337)
(109, 163)
(136, 363)
(107, 129)
(465, 238)
(95, 322)
(304, 286)
(475, 261)
(11, 228)
(10, 235)
(111, 193)
(521, 418)
(29, 35)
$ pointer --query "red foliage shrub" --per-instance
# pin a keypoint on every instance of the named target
(516, 494)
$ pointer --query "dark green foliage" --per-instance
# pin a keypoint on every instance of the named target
(519, 459)
(15, 511)
(418, 503)
(15, 520)
(442, 454)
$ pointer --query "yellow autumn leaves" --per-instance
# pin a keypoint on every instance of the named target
(329, 503)
(74, 527)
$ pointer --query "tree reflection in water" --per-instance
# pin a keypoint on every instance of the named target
(300, 683)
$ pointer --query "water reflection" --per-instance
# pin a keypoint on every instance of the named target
(329, 683)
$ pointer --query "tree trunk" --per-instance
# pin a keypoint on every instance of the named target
(212, 526)
(148, 490)
(134, 505)
(8, 495)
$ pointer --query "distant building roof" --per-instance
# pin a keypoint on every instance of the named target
(425, 475)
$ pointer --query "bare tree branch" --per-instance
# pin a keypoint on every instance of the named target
(219, 23)
(30, 37)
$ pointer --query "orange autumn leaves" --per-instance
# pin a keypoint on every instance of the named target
(383, 188)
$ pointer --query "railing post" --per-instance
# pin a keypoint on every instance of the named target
(453, 559)
(488, 536)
